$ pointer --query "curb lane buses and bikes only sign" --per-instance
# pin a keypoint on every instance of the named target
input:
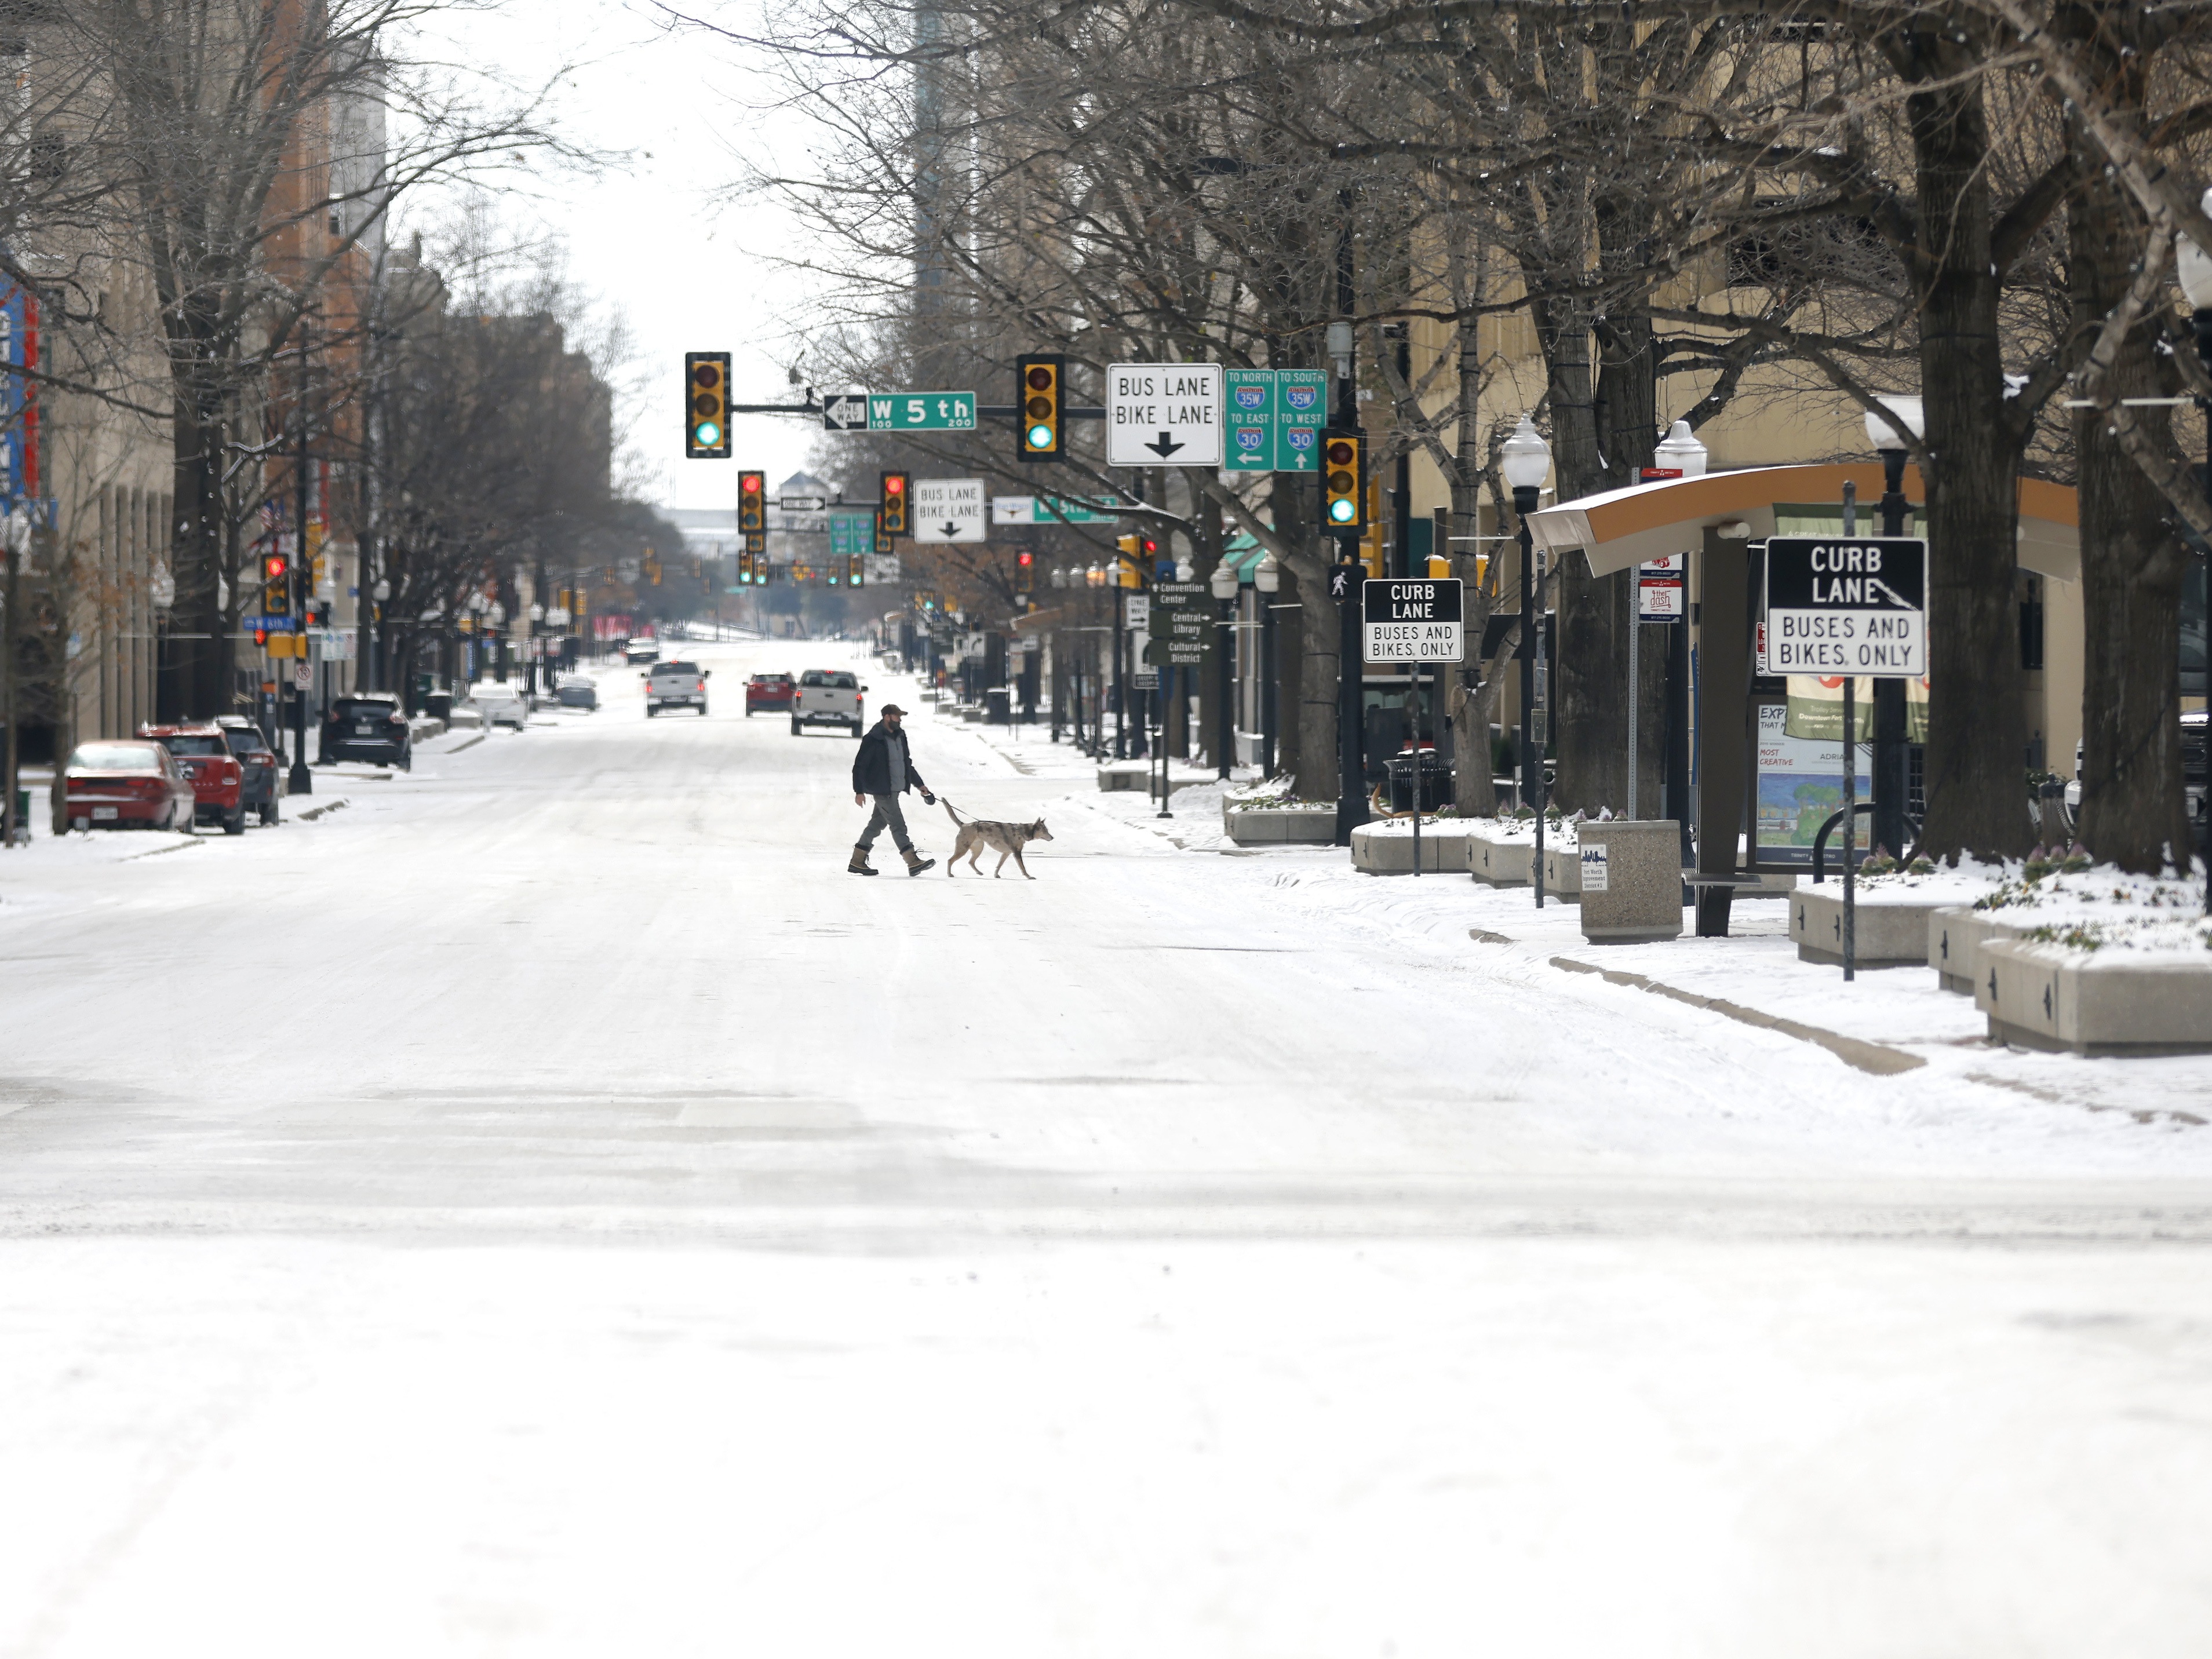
(1412, 620)
(1855, 605)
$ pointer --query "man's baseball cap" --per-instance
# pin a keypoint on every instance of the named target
(893, 708)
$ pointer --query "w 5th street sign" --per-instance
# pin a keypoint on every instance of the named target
(900, 411)
(1847, 605)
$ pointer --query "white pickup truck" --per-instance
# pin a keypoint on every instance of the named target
(828, 697)
(675, 686)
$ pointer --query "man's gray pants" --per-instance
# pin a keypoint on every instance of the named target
(887, 812)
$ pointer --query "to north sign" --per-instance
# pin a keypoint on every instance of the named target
(1847, 605)
(1412, 621)
(1164, 414)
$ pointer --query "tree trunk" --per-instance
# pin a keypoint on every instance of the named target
(195, 563)
(1977, 734)
(2135, 811)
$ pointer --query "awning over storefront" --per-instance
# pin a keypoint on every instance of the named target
(1620, 528)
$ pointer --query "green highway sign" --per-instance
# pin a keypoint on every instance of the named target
(852, 532)
(1275, 417)
(921, 411)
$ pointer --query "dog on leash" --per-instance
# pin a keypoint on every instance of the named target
(977, 835)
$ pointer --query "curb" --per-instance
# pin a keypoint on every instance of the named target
(1852, 1051)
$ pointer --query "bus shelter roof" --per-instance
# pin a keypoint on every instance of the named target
(1617, 529)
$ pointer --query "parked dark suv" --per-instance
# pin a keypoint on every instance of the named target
(369, 725)
(257, 759)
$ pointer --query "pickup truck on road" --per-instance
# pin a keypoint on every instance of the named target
(828, 697)
(675, 686)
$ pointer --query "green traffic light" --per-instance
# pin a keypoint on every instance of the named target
(707, 435)
(1343, 511)
(1040, 437)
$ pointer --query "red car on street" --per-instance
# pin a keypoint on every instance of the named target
(203, 754)
(776, 691)
(119, 783)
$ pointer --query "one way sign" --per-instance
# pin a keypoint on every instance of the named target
(949, 510)
(845, 411)
(1164, 414)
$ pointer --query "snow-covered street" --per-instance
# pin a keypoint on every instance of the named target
(544, 1206)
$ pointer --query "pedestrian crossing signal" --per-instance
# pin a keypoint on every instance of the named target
(894, 504)
(707, 405)
(1343, 482)
(1040, 381)
(752, 503)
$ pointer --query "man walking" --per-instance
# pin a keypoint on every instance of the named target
(885, 770)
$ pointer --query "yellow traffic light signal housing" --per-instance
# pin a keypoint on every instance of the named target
(1040, 380)
(856, 570)
(707, 405)
(276, 585)
(752, 503)
(1343, 482)
(893, 499)
(1024, 571)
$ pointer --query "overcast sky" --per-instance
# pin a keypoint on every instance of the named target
(689, 276)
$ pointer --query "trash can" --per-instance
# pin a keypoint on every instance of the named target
(1434, 775)
(439, 706)
(996, 702)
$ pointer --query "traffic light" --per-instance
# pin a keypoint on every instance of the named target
(1343, 482)
(1024, 571)
(752, 503)
(707, 405)
(276, 585)
(894, 504)
(856, 570)
(1040, 380)
(1137, 555)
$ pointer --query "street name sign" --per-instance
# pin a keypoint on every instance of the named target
(1274, 419)
(1182, 624)
(845, 411)
(1415, 620)
(1164, 414)
(948, 510)
(920, 411)
(1847, 605)
(1047, 510)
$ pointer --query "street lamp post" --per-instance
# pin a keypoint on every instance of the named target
(1891, 770)
(537, 619)
(1224, 584)
(1267, 581)
(1526, 461)
(2195, 268)
(381, 637)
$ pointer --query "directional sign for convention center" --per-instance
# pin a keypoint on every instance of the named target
(1414, 620)
(1164, 414)
(1847, 605)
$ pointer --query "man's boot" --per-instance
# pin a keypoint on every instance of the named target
(859, 866)
(915, 864)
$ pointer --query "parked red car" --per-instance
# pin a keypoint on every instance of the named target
(777, 691)
(203, 754)
(122, 783)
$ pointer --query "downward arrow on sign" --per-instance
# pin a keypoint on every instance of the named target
(1164, 446)
(950, 529)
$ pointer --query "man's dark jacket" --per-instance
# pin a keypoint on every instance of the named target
(874, 766)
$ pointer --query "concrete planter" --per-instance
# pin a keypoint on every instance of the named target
(1443, 850)
(1497, 861)
(1143, 777)
(1630, 878)
(1890, 935)
(2100, 1002)
(1563, 869)
(1277, 826)
(1955, 937)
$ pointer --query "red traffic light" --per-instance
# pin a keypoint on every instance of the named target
(1040, 379)
(895, 483)
(706, 375)
(1152, 547)
(273, 567)
(1342, 453)
(1024, 558)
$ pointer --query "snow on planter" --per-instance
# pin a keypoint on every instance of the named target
(1895, 911)
(1386, 847)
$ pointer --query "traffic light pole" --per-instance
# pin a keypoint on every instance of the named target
(1890, 760)
(299, 781)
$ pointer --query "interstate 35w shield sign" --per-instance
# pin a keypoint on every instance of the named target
(1413, 620)
(1847, 605)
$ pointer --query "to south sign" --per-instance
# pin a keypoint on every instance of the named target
(1847, 605)
(1415, 620)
